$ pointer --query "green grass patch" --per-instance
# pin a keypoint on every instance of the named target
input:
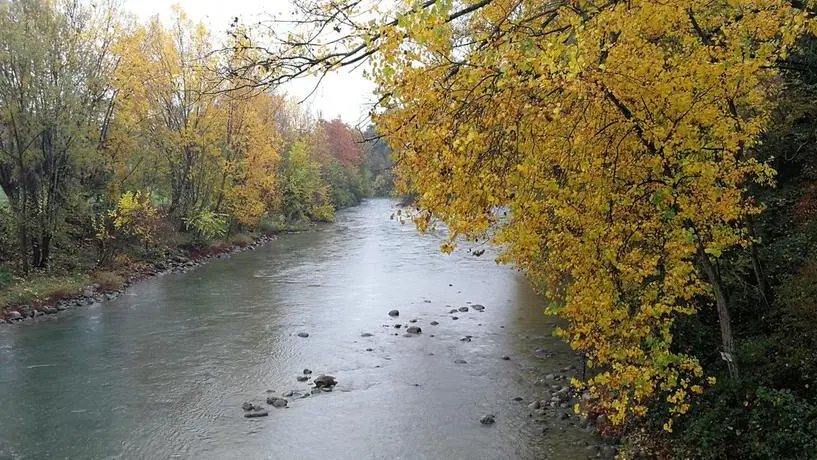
(42, 289)
(108, 281)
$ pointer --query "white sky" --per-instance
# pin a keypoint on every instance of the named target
(345, 94)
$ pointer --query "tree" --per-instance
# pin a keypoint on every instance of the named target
(618, 135)
(167, 85)
(54, 66)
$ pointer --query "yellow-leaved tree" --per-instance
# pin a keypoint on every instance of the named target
(618, 137)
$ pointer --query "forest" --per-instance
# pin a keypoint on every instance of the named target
(124, 142)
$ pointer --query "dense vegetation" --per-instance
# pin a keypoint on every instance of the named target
(657, 164)
(121, 142)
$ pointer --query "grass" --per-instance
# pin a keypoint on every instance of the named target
(43, 289)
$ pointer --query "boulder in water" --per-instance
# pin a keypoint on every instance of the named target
(414, 330)
(325, 381)
(275, 401)
(394, 313)
(303, 335)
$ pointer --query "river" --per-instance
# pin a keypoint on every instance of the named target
(162, 371)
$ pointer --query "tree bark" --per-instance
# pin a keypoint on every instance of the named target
(724, 319)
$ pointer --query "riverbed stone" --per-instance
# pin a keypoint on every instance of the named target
(414, 330)
(463, 309)
(303, 335)
(307, 371)
(534, 405)
(366, 334)
(50, 310)
(455, 317)
(259, 412)
(478, 307)
(325, 381)
(394, 313)
(488, 419)
(434, 323)
(248, 406)
(452, 311)
(277, 402)
(14, 315)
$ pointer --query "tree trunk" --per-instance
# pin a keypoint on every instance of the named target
(762, 285)
(24, 243)
(722, 302)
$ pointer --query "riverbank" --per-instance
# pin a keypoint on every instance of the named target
(49, 294)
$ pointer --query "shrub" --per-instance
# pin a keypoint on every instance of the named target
(323, 213)
(5, 278)
(208, 225)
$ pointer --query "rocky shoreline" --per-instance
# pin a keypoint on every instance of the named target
(95, 294)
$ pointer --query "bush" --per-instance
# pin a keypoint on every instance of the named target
(208, 225)
(5, 278)
(734, 421)
(323, 213)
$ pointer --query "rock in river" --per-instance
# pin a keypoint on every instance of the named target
(414, 330)
(258, 412)
(307, 371)
(325, 381)
(302, 378)
(14, 315)
(394, 313)
(434, 323)
(366, 334)
(247, 406)
(303, 334)
(460, 361)
(275, 401)
(478, 307)
(463, 309)
(488, 419)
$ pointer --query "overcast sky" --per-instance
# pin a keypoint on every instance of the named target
(344, 94)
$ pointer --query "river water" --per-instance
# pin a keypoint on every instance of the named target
(161, 372)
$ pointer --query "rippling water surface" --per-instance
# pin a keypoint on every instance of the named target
(162, 371)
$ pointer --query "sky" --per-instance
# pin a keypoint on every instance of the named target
(345, 94)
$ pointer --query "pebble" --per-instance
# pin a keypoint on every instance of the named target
(488, 419)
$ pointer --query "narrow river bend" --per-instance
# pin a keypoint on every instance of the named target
(162, 371)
